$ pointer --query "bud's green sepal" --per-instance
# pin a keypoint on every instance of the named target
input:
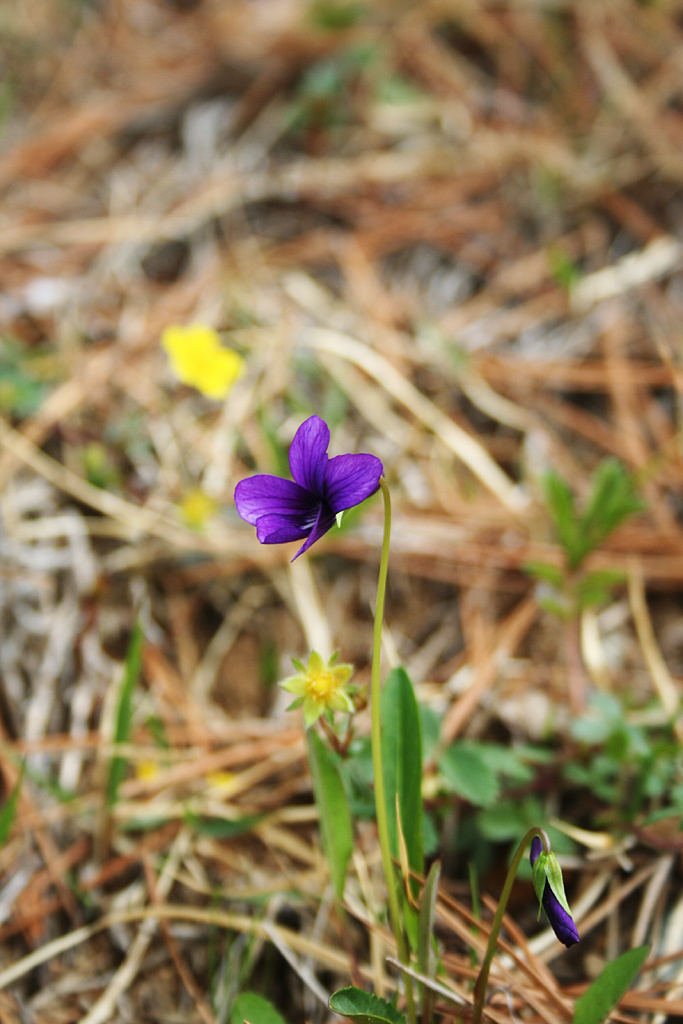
(547, 869)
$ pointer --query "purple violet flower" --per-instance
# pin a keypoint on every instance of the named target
(560, 921)
(284, 510)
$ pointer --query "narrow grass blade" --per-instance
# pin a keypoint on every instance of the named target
(426, 958)
(124, 712)
(9, 810)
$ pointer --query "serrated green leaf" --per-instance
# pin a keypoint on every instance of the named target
(251, 1008)
(336, 828)
(465, 771)
(613, 499)
(124, 711)
(609, 987)
(364, 1007)
(559, 499)
(402, 763)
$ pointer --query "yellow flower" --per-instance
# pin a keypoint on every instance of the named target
(196, 507)
(319, 688)
(221, 781)
(198, 358)
(147, 770)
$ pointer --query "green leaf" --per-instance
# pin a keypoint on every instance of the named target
(509, 819)
(563, 269)
(612, 984)
(336, 828)
(426, 959)
(555, 880)
(364, 1007)
(223, 828)
(402, 763)
(595, 587)
(562, 607)
(538, 876)
(559, 499)
(613, 499)
(326, 14)
(546, 573)
(430, 724)
(124, 711)
(251, 1008)
(9, 810)
(466, 771)
(506, 761)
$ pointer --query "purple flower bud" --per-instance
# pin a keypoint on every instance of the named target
(560, 921)
(306, 507)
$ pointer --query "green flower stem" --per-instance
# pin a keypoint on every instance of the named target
(376, 739)
(483, 976)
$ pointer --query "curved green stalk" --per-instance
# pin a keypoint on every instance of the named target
(376, 741)
(483, 976)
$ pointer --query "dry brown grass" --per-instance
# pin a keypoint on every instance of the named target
(397, 266)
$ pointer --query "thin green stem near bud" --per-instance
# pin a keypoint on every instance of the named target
(376, 741)
(483, 976)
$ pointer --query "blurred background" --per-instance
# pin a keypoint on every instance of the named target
(453, 230)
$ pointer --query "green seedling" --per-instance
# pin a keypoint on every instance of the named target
(568, 590)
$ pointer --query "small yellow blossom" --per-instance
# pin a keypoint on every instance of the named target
(147, 770)
(320, 688)
(221, 781)
(198, 358)
(196, 507)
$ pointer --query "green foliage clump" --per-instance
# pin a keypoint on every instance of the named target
(637, 772)
(25, 378)
(613, 499)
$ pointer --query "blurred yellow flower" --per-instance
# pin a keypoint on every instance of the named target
(196, 507)
(221, 781)
(147, 770)
(198, 358)
(320, 688)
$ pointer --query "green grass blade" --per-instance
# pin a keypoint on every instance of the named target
(124, 711)
(9, 810)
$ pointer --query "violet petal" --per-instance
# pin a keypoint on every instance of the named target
(323, 523)
(350, 479)
(278, 529)
(308, 454)
(270, 495)
(560, 921)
